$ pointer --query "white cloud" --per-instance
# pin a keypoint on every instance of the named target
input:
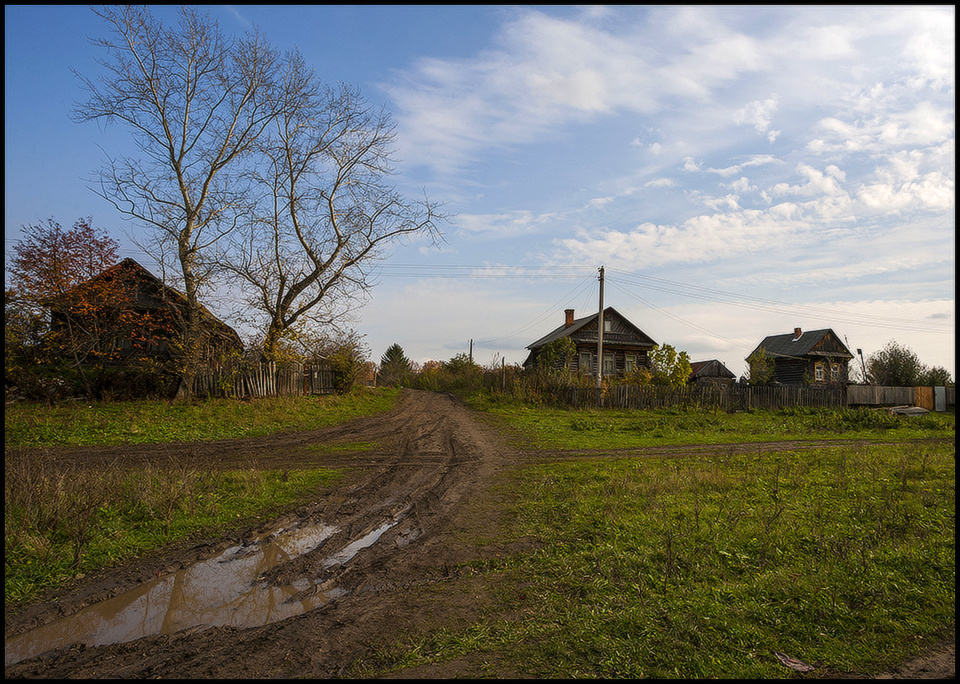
(699, 239)
(758, 114)
(507, 224)
(755, 160)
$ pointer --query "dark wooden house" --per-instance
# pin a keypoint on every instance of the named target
(712, 371)
(127, 313)
(625, 346)
(815, 357)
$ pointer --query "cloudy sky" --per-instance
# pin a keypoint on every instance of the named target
(738, 171)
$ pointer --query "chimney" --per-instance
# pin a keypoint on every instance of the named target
(797, 332)
(568, 320)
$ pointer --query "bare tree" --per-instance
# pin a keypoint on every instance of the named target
(325, 211)
(196, 104)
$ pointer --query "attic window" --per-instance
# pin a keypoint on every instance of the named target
(607, 325)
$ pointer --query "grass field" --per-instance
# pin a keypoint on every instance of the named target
(141, 422)
(60, 522)
(554, 428)
(842, 557)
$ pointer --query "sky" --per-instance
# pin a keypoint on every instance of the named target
(738, 171)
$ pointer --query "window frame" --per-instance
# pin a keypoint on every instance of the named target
(588, 368)
(612, 358)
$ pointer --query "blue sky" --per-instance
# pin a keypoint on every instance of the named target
(739, 171)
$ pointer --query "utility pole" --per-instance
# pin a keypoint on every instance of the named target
(471, 350)
(600, 340)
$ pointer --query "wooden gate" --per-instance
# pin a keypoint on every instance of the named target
(924, 397)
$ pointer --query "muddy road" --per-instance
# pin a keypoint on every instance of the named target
(309, 593)
(337, 570)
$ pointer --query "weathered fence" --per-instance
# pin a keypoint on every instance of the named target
(268, 379)
(881, 395)
(726, 398)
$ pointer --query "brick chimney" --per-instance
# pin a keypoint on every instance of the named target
(797, 332)
(568, 318)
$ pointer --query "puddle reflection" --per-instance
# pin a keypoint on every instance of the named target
(222, 591)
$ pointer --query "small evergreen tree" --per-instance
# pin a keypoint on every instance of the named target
(394, 365)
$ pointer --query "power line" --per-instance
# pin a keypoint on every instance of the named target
(675, 317)
(536, 321)
(759, 304)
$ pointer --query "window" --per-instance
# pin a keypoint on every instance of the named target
(835, 371)
(585, 365)
(607, 325)
(609, 367)
(818, 371)
(630, 363)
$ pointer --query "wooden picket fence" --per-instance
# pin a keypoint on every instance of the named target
(267, 379)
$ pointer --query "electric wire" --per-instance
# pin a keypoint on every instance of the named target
(674, 316)
(536, 321)
(774, 306)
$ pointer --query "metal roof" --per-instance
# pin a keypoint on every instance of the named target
(795, 347)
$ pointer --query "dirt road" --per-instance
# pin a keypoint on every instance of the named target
(306, 594)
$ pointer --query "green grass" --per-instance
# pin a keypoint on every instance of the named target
(555, 428)
(702, 567)
(62, 523)
(140, 422)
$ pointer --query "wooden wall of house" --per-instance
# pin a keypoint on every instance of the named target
(619, 357)
(803, 371)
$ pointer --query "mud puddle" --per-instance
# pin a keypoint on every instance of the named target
(225, 591)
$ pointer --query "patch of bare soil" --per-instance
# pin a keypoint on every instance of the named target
(381, 565)
(940, 663)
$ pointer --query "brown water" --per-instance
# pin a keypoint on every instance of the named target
(221, 591)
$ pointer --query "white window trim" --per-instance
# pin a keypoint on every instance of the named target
(818, 371)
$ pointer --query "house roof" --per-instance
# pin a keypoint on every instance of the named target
(130, 267)
(578, 323)
(789, 346)
(696, 367)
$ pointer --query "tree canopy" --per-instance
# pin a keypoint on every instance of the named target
(897, 365)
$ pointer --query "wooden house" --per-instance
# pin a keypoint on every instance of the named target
(128, 313)
(625, 346)
(815, 357)
(712, 371)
